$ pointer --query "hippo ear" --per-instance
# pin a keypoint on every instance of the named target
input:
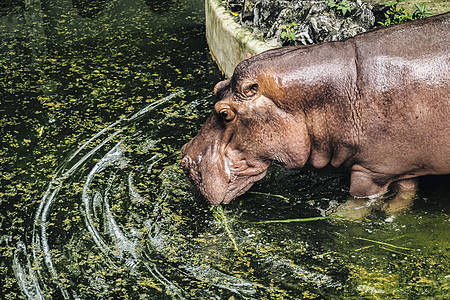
(221, 87)
(248, 55)
(249, 88)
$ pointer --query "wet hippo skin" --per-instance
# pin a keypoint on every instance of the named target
(377, 104)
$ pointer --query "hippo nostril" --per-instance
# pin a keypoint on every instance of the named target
(191, 169)
(186, 163)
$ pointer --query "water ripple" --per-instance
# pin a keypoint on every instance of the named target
(120, 218)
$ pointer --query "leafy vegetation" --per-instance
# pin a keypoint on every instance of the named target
(289, 31)
(397, 15)
(342, 7)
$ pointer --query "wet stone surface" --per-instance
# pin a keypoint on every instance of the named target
(310, 21)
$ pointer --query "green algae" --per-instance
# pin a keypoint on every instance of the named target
(120, 219)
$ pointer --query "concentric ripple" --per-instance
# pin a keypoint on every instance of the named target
(119, 219)
(116, 246)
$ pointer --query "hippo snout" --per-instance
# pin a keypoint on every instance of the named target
(191, 169)
(220, 172)
(186, 163)
(205, 169)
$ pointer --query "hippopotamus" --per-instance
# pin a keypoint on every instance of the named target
(377, 104)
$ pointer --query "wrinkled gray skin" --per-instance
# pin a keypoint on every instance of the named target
(377, 104)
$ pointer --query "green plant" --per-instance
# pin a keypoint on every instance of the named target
(331, 4)
(289, 31)
(421, 11)
(341, 8)
(395, 15)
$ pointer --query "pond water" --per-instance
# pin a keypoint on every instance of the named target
(97, 98)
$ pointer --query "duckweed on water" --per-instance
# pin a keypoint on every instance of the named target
(95, 105)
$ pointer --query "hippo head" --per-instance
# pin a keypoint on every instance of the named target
(249, 127)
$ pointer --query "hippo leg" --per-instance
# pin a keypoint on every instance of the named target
(365, 184)
(405, 192)
(367, 189)
(356, 209)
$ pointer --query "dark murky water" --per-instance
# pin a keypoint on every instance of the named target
(96, 100)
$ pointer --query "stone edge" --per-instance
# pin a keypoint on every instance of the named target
(228, 41)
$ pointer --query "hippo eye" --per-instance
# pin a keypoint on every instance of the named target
(224, 114)
(227, 114)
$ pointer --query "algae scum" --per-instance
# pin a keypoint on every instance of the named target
(96, 99)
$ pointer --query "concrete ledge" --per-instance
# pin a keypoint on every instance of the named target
(228, 41)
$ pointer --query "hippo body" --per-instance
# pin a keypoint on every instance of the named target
(377, 104)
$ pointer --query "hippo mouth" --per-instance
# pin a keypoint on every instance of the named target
(219, 179)
(241, 181)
